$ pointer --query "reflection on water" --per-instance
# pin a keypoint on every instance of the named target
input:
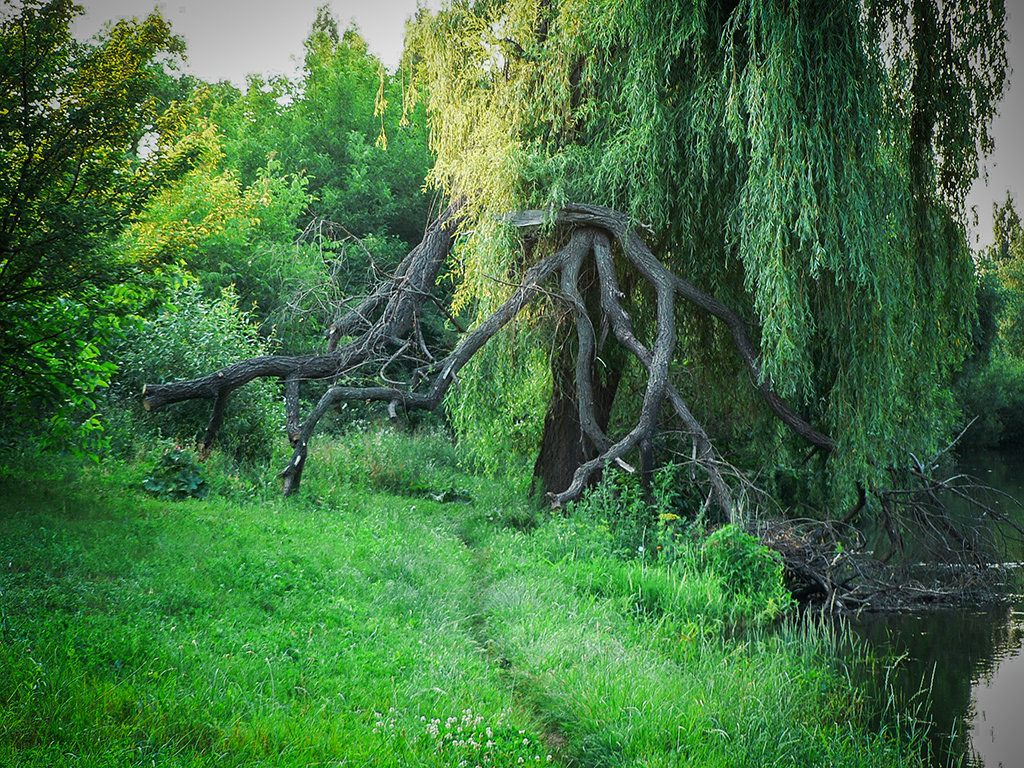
(973, 661)
(997, 706)
(1004, 474)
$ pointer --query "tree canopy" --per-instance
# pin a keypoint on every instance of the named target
(365, 163)
(72, 117)
(805, 163)
(754, 210)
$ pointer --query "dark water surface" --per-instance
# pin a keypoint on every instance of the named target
(964, 671)
(969, 663)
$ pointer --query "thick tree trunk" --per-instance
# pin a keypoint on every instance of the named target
(564, 446)
(565, 443)
(561, 445)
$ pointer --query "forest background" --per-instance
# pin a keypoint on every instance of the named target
(295, 172)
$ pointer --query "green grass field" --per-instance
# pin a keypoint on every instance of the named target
(398, 613)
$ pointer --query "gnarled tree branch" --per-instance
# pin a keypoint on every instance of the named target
(386, 322)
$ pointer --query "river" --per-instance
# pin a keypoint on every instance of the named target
(962, 669)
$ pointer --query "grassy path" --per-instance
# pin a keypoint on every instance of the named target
(358, 628)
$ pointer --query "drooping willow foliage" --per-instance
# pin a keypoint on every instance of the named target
(806, 162)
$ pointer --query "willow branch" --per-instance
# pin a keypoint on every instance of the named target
(447, 369)
(636, 250)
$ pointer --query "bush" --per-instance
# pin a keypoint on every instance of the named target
(637, 522)
(191, 337)
(751, 574)
(624, 542)
(176, 476)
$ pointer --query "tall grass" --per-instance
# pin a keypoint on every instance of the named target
(352, 627)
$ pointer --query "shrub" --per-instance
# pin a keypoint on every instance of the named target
(638, 522)
(640, 545)
(190, 337)
(751, 573)
(995, 395)
(176, 476)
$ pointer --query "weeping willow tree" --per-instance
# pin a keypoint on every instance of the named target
(804, 163)
(744, 218)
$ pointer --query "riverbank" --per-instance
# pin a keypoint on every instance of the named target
(449, 622)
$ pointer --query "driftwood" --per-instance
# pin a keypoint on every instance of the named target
(938, 543)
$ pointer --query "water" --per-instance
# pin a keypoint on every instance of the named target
(962, 670)
(971, 661)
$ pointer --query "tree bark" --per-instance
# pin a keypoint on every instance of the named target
(567, 442)
(563, 445)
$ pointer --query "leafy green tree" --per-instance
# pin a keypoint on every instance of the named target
(366, 163)
(805, 163)
(189, 334)
(991, 388)
(208, 225)
(255, 123)
(72, 118)
(1006, 261)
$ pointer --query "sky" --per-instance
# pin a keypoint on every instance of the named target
(1005, 166)
(228, 39)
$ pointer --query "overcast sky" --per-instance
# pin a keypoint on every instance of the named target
(228, 39)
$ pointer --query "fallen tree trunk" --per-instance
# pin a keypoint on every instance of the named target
(384, 327)
(401, 297)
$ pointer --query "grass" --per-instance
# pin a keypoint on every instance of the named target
(441, 623)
